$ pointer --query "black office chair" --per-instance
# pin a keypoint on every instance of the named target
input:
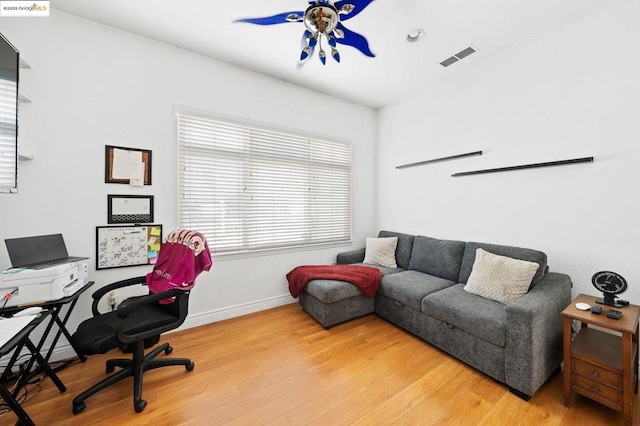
(139, 321)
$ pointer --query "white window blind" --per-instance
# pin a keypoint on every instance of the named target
(248, 188)
(8, 148)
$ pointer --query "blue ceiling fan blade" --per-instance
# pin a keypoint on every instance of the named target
(354, 39)
(359, 7)
(281, 18)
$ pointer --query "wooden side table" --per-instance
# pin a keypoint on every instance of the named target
(601, 365)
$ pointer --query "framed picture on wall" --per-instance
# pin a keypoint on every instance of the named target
(130, 208)
(130, 166)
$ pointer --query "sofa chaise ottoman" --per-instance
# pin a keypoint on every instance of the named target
(332, 302)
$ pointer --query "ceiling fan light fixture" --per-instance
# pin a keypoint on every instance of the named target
(415, 35)
(335, 54)
(305, 53)
(323, 19)
(322, 56)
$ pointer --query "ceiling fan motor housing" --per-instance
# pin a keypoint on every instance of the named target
(321, 18)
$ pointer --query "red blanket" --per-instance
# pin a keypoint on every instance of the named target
(366, 278)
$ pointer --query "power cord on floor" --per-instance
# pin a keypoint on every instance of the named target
(27, 392)
(19, 366)
(33, 387)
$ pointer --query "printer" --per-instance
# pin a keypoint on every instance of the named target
(42, 270)
(29, 286)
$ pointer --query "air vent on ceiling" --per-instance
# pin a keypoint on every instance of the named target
(460, 55)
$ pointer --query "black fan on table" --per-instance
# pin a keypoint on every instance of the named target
(610, 284)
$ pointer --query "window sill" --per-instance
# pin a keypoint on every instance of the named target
(218, 257)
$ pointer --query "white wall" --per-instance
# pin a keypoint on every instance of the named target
(572, 91)
(93, 86)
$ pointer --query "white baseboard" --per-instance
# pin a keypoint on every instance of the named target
(64, 351)
(236, 311)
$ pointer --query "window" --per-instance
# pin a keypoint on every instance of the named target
(247, 187)
(8, 129)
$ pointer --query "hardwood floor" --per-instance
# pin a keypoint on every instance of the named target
(280, 367)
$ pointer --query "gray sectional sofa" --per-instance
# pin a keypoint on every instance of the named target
(517, 343)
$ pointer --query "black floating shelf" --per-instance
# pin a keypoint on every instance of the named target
(437, 160)
(527, 166)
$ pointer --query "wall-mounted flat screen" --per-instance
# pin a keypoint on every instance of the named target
(9, 69)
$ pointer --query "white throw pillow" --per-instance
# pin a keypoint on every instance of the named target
(500, 278)
(381, 252)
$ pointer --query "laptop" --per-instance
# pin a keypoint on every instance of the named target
(39, 252)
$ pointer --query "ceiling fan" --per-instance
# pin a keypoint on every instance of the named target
(323, 19)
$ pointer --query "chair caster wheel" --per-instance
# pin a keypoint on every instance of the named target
(140, 405)
(78, 408)
(190, 366)
(168, 350)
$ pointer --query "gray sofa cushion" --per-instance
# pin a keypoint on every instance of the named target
(404, 248)
(481, 317)
(441, 258)
(515, 252)
(410, 287)
(383, 269)
(330, 291)
(352, 256)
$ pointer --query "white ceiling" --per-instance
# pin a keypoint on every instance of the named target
(399, 68)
